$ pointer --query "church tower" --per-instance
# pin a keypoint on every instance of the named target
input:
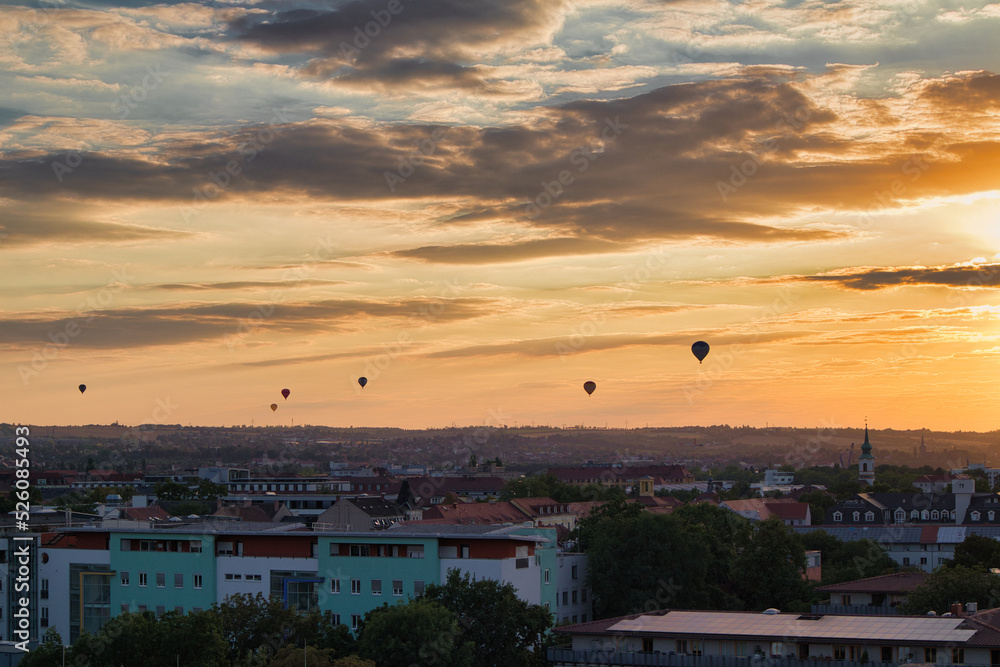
(866, 462)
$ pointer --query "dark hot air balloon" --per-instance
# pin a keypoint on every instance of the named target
(83, 388)
(274, 406)
(285, 393)
(589, 387)
(700, 350)
(362, 381)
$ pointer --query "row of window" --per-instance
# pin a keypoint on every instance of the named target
(386, 550)
(376, 587)
(925, 515)
(575, 600)
(161, 579)
(243, 577)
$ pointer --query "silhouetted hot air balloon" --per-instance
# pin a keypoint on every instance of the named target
(274, 406)
(362, 381)
(83, 388)
(285, 393)
(700, 350)
(589, 387)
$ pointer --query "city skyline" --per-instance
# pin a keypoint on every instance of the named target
(478, 207)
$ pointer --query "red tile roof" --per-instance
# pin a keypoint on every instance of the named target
(477, 513)
(898, 582)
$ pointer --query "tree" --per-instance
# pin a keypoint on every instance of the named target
(210, 491)
(953, 584)
(819, 502)
(848, 560)
(646, 562)
(48, 653)
(619, 508)
(291, 656)
(770, 568)
(976, 552)
(172, 491)
(504, 629)
(421, 632)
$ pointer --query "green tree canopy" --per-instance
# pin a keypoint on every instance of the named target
(420, 632)
(770, 568)
(947, 585)
(976, 552)
(848, 560)
(503, 628)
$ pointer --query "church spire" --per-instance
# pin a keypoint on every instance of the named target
(866, 462)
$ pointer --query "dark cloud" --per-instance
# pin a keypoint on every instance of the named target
(976, 92)
(21, 228)
(980, 275)
(144, 327)
(241, 285)
(487, 253)
(363, 42)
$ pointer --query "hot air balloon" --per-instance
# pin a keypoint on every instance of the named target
(285, 393)
(274, 406)
(589, 387)
(362, 381)
(700, 350)
(83, 388)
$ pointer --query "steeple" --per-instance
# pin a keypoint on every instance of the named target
(866, 462)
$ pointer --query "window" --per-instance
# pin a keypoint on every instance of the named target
(143, 608)
(869, 516)
(925, 515)
(975, 515)
(335, 589)
(418, 587)
(355, 621)
(886, 654)
(915, 514)
(160, 610)
(741, 649)
(845, 599)
(224, 549)
(647, 645)
(923, 560)
(857, 516)
(45, 589)
(583, 617)
(252, 577)
(124, 577)
(838, 516)
(397, 587)
(336, 620)
(935, 515)
(142, 579)
(161, 579)
(197, 581)
(179, 610)
(359, 550)
(565, 598)
(376, 587)
(355, 587)
(573, 572)
(574, 596)
(697, 647)
(990, 515)
(957, 656)
(839, 652)
(178, 580)
(583, 595)
(906, 561)
(546, 576)
(415, 551)
(900, 516)
(682, 646)
(930, 654)
(124, 607)
(195, 546)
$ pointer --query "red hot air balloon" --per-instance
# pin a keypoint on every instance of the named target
(589, 387)
(285, 393)
(700, 350)
(362, 381)
(274, 406)
(83, 388)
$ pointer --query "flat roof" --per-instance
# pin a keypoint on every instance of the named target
(798, 627)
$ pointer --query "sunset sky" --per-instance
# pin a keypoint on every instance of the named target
(481, 204)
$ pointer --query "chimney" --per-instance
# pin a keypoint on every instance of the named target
(971, 607)
(956, 609)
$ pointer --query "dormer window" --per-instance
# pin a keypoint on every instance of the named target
(857, 516)
(925, 515)
(935, 515)
(838, 516)
(975, 516)
(900, 515)
(915, 514)
(990, 515)
(869, 516)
